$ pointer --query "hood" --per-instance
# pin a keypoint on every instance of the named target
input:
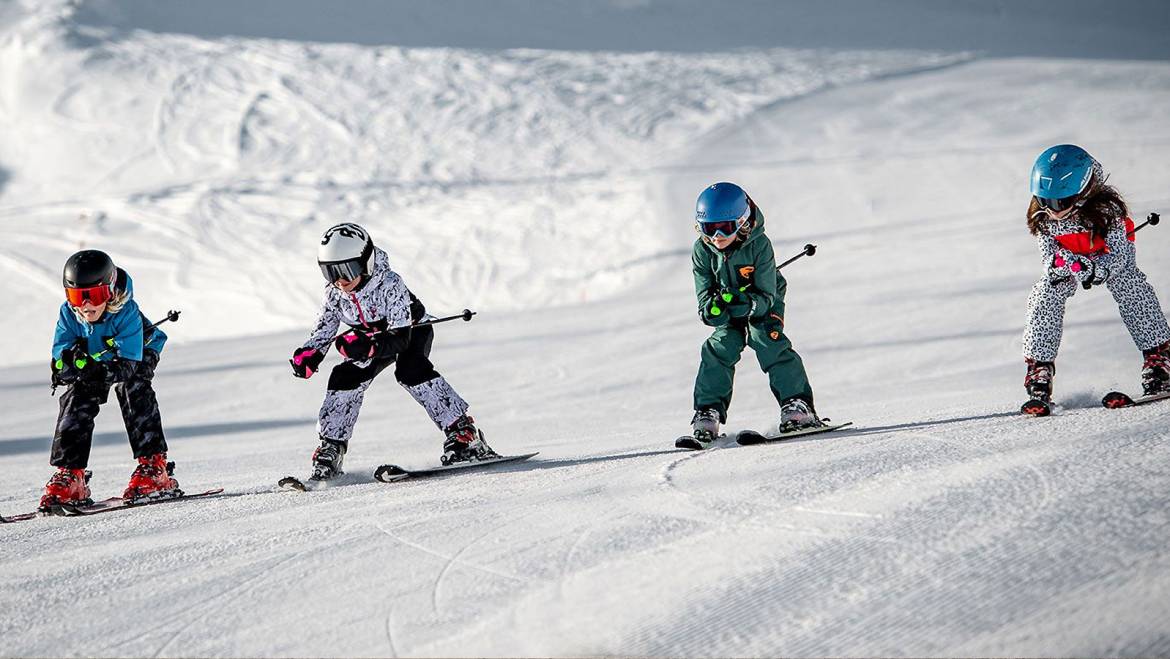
(124, 284)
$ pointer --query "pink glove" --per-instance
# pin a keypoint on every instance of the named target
(305, 362)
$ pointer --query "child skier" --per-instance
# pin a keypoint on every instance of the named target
(363, 292)
(741, 295)
(1086, 238)
(99, 343)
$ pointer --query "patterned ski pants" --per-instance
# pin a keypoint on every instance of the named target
(80, 404)
(413, 369)
(1136, 300)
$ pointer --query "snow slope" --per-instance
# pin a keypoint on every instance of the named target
(550, 190)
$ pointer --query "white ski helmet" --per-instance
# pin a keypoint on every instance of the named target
(346, 252)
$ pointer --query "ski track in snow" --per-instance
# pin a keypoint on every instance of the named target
(940, 524)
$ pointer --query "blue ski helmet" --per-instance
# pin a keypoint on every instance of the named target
(723, 209)
(1061, 174)
(721, 202)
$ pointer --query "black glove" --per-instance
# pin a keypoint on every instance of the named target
(66, 370)
(358, 345)
(305, 361)
(145, 369)
(64, 373)
(94, 373)
(715, 313)
(391, 343)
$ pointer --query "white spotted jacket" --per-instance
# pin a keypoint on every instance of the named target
(383, 301)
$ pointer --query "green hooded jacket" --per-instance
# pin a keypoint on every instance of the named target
(746, 270)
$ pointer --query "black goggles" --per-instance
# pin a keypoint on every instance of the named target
(1058, 205)
(347, 270)
(725, 228)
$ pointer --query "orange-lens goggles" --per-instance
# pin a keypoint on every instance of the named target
(96, 295)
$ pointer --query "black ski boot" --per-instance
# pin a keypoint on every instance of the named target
(465, 443)
(327, 460)
(1156, 370)
(798, 414)
(705, 426)
(1038, 384)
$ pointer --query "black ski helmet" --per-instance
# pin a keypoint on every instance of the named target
(89, 268)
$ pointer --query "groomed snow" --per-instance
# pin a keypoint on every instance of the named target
(551, 190)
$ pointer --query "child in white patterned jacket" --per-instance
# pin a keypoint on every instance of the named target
(364, 293)
(1086, 238)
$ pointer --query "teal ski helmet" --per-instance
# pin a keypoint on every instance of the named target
(1061, 175)
(722, 209)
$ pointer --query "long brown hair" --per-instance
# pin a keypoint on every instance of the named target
(1097, 213)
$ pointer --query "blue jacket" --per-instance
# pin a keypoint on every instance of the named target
(124, 327)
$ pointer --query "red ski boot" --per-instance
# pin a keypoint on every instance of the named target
(1156, 370)
(152, 479)
(1038, 383)
(69, 487)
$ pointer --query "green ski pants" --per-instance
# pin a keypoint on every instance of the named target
(721, 352)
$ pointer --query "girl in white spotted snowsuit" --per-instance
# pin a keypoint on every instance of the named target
(372, 300)
(1086, 239)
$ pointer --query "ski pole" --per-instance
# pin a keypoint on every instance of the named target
(171, 316)
(809, 250)
(727, 296)
(81, 362)
(466, 316)
(1151, 220)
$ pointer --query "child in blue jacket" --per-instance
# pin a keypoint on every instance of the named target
(99, 343)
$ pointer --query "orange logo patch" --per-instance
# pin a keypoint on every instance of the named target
(746, 271)
(775, 335)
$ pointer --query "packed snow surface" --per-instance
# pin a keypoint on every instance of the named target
(545, 176)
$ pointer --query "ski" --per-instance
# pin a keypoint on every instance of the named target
(1037, 407)
(105, 506)
(390, 473)
(1116, 400)
(689, 443)
(301, 485)
(749, 437)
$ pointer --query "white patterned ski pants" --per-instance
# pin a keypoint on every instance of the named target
(1136, 300)
(413, 369)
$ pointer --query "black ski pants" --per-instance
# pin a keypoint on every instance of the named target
(80, 404)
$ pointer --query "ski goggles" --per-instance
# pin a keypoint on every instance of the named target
(347, 270)
(724, 228)
(1058, 205)
(95, 295)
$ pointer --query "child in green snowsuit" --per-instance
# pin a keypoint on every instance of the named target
(741, 295)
